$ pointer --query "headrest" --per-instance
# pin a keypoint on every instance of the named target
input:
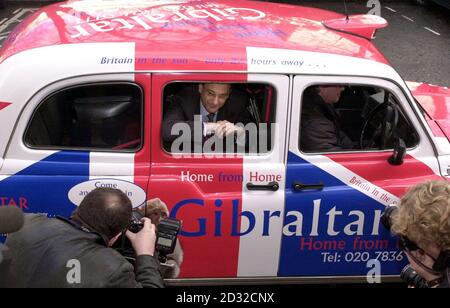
(102, 107)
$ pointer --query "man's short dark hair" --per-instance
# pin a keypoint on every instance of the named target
(106, 211)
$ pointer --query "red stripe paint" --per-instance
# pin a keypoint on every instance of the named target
(444, 125)
(4, 105)
(210, 255)
(436, 102)
(216, 28)
(434, 126)
(142, 158)
(374, 168)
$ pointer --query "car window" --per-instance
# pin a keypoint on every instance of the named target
(91, 117)
(345, 117)
(218, 118)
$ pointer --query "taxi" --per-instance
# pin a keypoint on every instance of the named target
(85, 89)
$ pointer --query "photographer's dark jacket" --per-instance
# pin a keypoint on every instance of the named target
(47, 252)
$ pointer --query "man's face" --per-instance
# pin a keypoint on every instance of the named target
(214, 95)
(330, 94)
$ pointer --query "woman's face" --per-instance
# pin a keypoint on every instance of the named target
(157, 216)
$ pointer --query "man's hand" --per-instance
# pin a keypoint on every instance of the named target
(144, 241)
(225, 128)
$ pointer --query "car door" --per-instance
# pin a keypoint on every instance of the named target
(75, 135)
(334, 200)
(230, 209)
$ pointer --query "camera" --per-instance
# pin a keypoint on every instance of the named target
(136, 224)
(166, 235)
(386, 217)
(409, 275)
(386, 221)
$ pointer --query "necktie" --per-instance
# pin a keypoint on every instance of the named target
(210, 117)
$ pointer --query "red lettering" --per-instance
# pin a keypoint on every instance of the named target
(311, 244)
(8, 201)
(304, 244)
(257, 177)
(12, 202)
(23, 203)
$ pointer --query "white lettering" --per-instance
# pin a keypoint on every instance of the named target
(125, 23)
(331, 219)
(258, 14)
(188, 177)
(376, 7)
(359, 223)
(203, 14)
(74, 274)
(157, 18)
(376, 222)
(196, 298)
(181, 144)
(181, 16)
(141, 22)
(101, 26)
(315, 222)
(374, 274)
(81, 32)
(297, 224)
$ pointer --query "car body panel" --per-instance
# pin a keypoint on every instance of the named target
(228, 231)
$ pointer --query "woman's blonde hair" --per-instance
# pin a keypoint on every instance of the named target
(424, 214)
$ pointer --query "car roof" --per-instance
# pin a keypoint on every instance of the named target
(212, 30)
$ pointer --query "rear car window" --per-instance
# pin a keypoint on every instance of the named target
(90, 117)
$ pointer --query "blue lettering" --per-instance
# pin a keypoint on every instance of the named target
(201, 221)
(234, 222)
(218, 219)
(267, 216)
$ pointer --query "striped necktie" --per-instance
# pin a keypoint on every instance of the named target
(210, 117)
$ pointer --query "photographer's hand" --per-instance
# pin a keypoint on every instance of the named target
(144, 241)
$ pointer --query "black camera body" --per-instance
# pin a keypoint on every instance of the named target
(167, 232)
(386, 216)
(136, 224)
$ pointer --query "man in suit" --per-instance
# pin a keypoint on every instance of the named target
(321, 124)
(212, 110)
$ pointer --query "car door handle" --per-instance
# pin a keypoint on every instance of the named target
(298, 186)
(272, 186)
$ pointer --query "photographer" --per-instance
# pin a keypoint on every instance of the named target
(55, 252)
(423, 223)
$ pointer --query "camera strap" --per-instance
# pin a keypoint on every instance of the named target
(435, 282)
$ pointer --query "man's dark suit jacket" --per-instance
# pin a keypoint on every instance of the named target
(184, 106)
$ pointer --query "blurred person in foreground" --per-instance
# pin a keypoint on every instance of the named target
(423, 223)
(76, 252)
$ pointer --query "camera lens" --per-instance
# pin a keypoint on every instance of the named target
(410, 276)
(386, 217)
(136, 224)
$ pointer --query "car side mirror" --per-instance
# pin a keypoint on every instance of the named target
(399, 153)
